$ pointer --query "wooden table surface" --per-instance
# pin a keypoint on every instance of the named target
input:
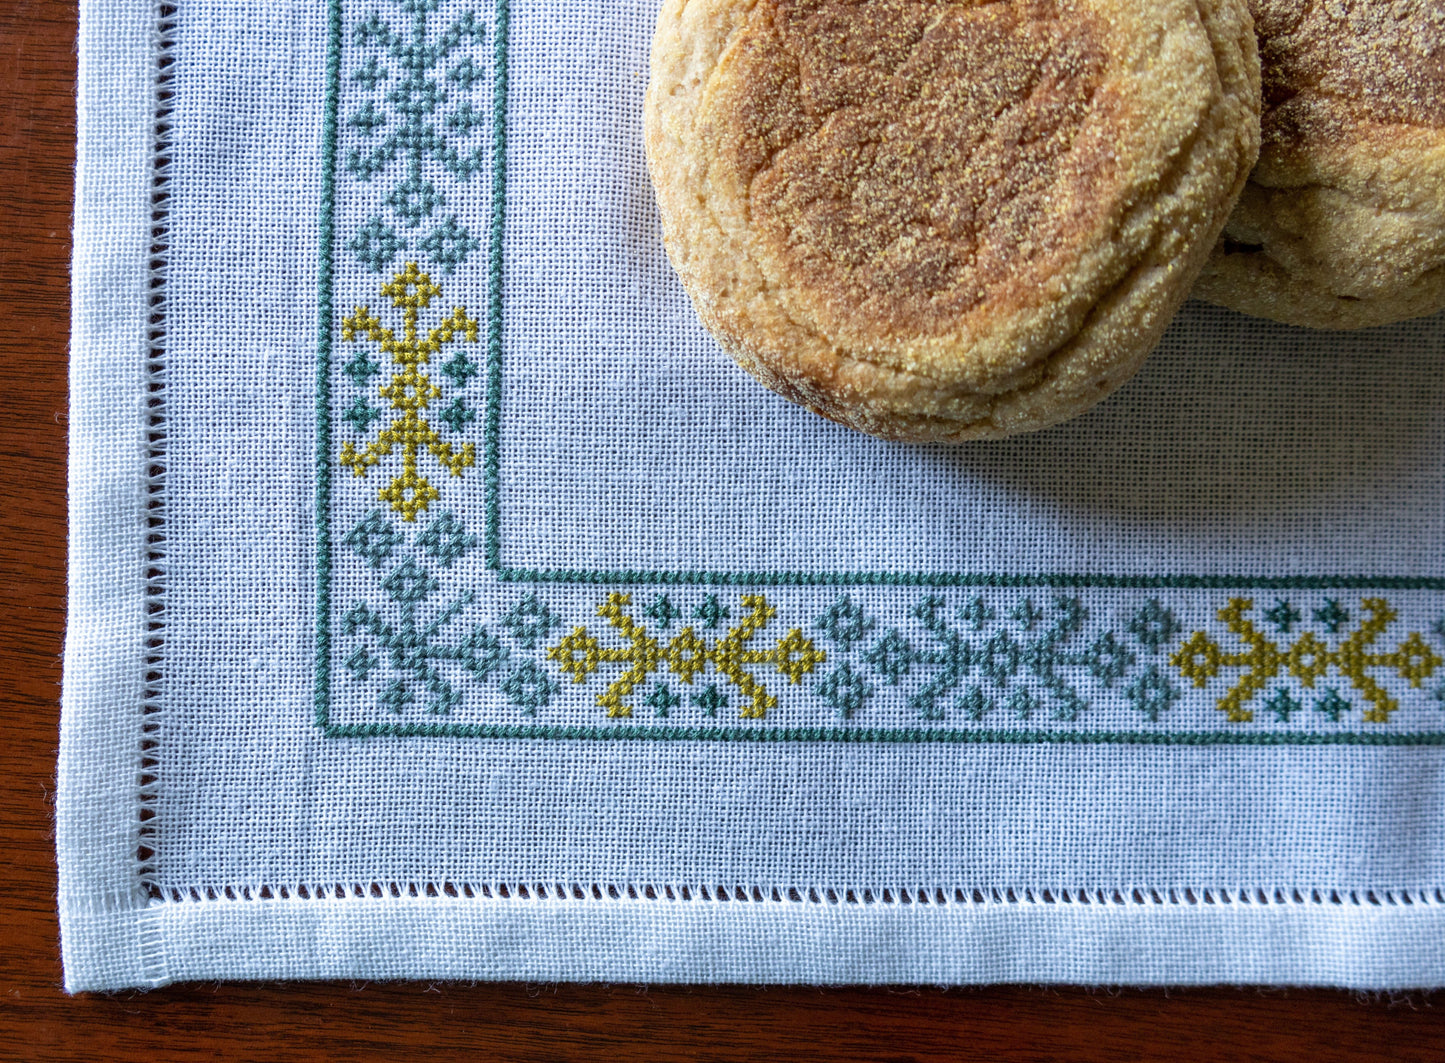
(493, 1021)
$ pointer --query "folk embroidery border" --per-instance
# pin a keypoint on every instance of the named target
(969, 673)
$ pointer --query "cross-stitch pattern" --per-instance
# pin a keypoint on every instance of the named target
(688, 656)
(410, 391)
(592, 644)
(412, 651)
(424, 90)
(1308, 659)
(435, 633)
(1023, 664)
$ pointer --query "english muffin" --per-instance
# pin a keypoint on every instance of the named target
(943, 221)
(1342, 223)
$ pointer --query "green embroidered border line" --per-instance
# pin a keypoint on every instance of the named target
(325, 292)
(492, 473)
(961, 579)
(492, 426)
(492, 429)
(493, 536)
(907, 736)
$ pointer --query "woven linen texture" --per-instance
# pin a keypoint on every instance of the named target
(509, 630)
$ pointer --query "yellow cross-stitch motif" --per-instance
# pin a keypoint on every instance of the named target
(411, 391)
(1200, 658)
(687, 656)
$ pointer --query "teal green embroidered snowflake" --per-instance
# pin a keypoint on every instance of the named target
(711, 612)
(1014, 652)
(361, 413)
(402, 643)
(361, 368)
(420, 108)
(710, 700)
(1331, 615)
(662, 611)
(414, 649)
(1282, 705)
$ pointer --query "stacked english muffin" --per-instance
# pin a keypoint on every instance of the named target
(941, 221)
(1342, 223)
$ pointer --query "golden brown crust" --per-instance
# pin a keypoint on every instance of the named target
(1342, 224)
(1333, 68)
(942, 221)
(899, 160)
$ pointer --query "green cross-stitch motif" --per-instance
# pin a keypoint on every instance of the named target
(1151, 692)
(1332, 705)
(419, 109)
(1282, 615)
(845, 623)
(375, 245)
(1332, 616)
(710, 700)
(1282, 704)
(1002, 657)
(845, 690)
(974, 704)
(662, 700)
(1026, 614)
(1153, 625)
(444, 71)
(711, 612)
(404, 639)
(1032, 672)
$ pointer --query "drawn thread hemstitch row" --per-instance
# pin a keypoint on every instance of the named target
(155, 458)
(902, 896)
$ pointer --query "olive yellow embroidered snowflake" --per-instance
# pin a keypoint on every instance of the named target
(1307, 659)
(411, 391)
(580, 654)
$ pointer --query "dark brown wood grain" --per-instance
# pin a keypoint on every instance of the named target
(496, 1022)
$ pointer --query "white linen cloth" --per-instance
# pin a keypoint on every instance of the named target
(669, 680)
